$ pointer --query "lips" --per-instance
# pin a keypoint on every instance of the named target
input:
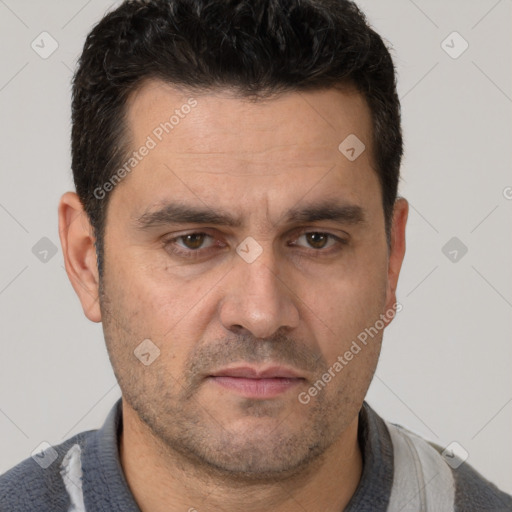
(249, 372)
(258, 383)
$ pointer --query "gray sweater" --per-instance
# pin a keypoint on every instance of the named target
(84, 474)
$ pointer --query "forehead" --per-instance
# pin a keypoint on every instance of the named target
(218, 146)
(298, 121)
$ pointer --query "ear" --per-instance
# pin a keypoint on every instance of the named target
(77, 240)
(397, 250)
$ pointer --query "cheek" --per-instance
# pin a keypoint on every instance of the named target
(350, 304)
(169, 310)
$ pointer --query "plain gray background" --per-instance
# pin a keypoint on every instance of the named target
(445, 369)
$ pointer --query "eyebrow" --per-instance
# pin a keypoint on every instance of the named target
(181, 213)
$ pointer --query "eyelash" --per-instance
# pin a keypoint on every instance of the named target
(199, 253)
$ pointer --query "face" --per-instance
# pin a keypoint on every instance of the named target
(283, 264)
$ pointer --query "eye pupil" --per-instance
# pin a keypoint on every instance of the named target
(196, 238)
(317, 240)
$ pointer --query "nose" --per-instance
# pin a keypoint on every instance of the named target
(258, 299)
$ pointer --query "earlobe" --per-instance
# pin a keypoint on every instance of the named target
(77, 240)
(397, 250)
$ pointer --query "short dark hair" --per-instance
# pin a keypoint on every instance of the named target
(256, 47)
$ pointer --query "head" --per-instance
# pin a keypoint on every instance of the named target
(222, 218)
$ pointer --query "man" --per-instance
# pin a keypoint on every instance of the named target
(237, 231)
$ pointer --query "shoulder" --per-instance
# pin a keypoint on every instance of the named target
(475, 492)
(445, 474)
(472, 490)
(39, 479)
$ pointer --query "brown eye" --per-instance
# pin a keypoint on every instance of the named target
(317, 240)
(189, 245)
(193, 241)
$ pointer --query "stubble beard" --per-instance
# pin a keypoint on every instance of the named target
(189, 435)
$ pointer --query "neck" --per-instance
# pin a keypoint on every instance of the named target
(162, 480)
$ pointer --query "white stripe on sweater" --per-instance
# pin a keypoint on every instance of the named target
(71, 473)
(422, 480)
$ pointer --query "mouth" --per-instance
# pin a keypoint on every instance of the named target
(257, 383)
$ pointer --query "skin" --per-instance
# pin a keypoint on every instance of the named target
(188, 442)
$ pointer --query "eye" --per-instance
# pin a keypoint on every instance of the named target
(192, 244)
(319, 240)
